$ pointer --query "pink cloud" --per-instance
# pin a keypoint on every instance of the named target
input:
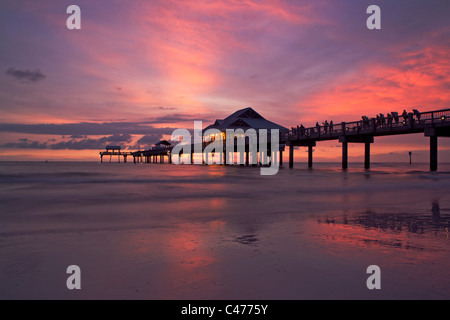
(419, 80)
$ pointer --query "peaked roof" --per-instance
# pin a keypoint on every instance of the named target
(245, 113)
(164, 142)
(245, 119)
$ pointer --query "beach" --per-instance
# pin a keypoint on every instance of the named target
(159, 231)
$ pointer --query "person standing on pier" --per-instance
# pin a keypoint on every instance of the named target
(325, 126)
(382, 119)
(302, 130)
(417, 114)
(405, 116)
(389, 119)
(395, 116)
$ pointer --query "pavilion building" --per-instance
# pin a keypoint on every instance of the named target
(246, 119)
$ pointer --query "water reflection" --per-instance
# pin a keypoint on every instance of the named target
(433, 224)
(386, 232)
(436, 209)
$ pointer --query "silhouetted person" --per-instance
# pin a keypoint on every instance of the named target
(331, 126)
(389, 119)
(365, 120)
(395, 116)
(382, 119)
(405, 116)
(325, 126)
(417, 114)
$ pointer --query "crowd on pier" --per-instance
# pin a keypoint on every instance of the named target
(381, 120)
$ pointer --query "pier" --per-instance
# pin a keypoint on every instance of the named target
(157, 154)
(114, 151)
(433, 124)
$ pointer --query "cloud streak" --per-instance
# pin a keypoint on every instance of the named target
(72, 144)
(26, 76)
(103, 128)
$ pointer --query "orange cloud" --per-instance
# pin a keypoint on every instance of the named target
(419, 80)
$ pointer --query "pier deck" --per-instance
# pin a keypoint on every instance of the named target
(433, 124)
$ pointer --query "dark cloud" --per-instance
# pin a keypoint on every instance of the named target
(24, 144)
(26, 76)
(78, 130)
(89, 143)
(125, 137)
(82, 144)
(147, 141)
(84, 128)
(73, 144)
(76, 135)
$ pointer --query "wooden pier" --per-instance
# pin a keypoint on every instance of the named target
(153, 155)
(433, 124)
(114, 151)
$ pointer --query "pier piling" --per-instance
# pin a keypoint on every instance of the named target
(344, 155)
(310, 156)
(367, 155)
(291, 156)
(433, 153)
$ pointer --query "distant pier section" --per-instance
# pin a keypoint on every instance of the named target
(156, 154)
(114, 151)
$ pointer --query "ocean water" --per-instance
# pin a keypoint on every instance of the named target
(159, 231)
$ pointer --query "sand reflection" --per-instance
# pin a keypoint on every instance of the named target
(181, 259)
(403, 237)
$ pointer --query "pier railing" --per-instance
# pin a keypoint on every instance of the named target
(368, 126)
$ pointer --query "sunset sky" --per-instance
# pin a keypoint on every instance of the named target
(137, 70)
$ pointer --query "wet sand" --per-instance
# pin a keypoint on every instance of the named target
(193, 232)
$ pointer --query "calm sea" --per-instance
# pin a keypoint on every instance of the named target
(159, 231)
